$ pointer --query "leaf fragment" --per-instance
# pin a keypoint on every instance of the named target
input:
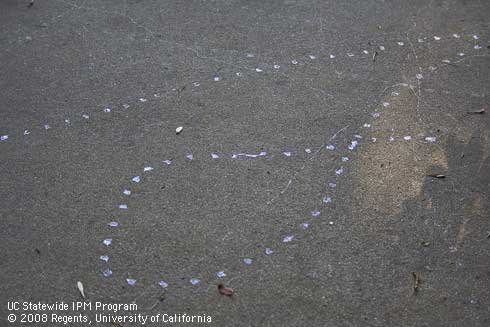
(80, 288)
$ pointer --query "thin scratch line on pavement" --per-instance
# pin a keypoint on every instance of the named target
(304, 164)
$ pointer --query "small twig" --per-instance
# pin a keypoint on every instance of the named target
(477, 112)
(416, 282)
(436, 175)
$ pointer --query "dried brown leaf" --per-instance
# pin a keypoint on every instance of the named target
(225, 290)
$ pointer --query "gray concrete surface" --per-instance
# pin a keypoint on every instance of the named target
(355, 263)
